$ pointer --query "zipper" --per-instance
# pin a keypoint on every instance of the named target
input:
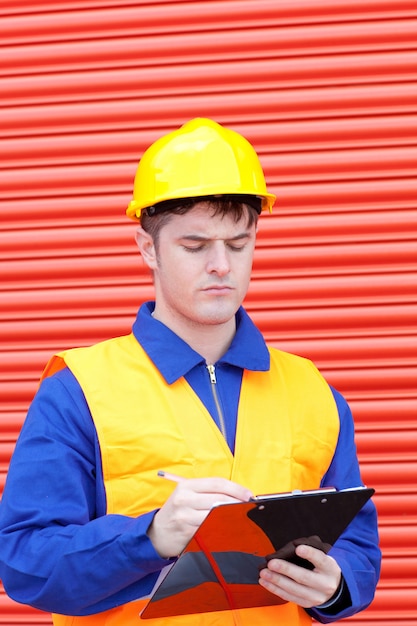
(213, 380)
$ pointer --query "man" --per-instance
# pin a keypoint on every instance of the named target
(86, 523)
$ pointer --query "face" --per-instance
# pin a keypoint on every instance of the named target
(201, 268)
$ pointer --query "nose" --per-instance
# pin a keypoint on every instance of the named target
(218, 259)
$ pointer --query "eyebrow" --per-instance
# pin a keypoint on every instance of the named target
(244, 235)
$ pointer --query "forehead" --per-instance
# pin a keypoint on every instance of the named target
(202, 220)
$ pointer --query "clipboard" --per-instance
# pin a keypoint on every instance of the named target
(219, 568)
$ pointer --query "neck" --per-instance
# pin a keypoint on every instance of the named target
(209, 340)
(212, 344)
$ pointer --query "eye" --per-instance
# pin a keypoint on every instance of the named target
(193, 248)
(236, 247)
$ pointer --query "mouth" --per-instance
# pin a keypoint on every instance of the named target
(218, 289)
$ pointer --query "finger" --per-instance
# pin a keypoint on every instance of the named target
(317, 557)
(187, 498)
(220, 487)
(321, 561)
(302, 592)
(294, 572)
(287, 588)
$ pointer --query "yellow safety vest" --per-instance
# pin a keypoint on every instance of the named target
(286, 436)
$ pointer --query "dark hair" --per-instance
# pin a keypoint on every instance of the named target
(155, 217)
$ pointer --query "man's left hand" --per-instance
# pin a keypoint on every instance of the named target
(307, 588)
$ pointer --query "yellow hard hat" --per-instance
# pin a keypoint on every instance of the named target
(201, 158)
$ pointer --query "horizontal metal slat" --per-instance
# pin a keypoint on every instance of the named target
(394, 604)
(68, 303)
(78, 241)
(292, 228)
(383, 410)
(377, 446)
(345, 164)
(400, 569)
(394, 542)
(76, 271)
(390, 379)
(351, 289)
(336, 259)
(73, 271)
(62, 334)
(65, 211)
(73, 179)
(18, 614)
(354, 196)
(400, 474)
(344, 319)
(396, 506)
(359, 346)
(44, 25)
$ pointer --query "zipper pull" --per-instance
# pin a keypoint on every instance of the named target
(212, 373)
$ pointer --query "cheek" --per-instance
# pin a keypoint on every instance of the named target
(174, 278)
(243, 272)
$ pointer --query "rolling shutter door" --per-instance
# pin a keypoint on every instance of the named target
(327, 93)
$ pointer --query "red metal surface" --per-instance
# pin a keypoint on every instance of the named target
(327, 92)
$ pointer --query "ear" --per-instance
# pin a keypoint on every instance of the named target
(146, 247)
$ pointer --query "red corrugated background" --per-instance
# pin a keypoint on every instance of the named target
(327, 93)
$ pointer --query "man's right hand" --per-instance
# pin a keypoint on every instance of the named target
(178, 519)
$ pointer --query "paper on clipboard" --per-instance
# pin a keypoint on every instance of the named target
(218, 569)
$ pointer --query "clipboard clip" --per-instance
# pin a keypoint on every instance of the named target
(295, 492)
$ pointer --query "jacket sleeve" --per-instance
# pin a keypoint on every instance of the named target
(59, 552)
(357, 550)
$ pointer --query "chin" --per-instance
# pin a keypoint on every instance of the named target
(216, 317)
